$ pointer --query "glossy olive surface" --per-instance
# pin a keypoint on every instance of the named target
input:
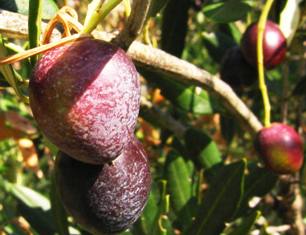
(281, 148)
(105, 199)
(274, 45)
(85, 97)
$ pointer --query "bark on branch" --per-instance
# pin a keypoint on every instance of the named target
(134, 25)
(15, 25)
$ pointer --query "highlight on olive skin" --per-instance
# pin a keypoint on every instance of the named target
(274, 45)
(105, 199)
(281, 148)
(85, 97)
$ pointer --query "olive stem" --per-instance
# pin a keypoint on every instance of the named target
(260, 62)
(99, 10)
(41, 49)
(34, 25)
(134, 25)
(127, 7)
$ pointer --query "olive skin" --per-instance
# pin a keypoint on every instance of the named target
(274, 45)
(281, 148)
(236, 71)
(85, 97)
(105, 199)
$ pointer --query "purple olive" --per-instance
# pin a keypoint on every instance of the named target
(105, 199)
(85, 97)
(274, 45)
(281, 148)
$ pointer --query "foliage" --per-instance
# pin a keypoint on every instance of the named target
(205, 181)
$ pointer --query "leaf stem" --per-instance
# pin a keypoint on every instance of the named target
(260, 62)
(40, 49)
(9, 75)
(99, 9)
(127, 7)
(34, 24)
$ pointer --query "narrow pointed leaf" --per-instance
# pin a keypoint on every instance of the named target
(246, 225)
(202, 148)
(34, 207)
(258, 183)
(156, 6)
(180, 182)
(220, 201)
(22, 6)
(227, 11)
(57, 209)
(145, 223)
(174, 26)
(186, 98)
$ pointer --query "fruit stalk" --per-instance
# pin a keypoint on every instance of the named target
(34, 24)
(161, 62)
(97, 14)
(260, 62)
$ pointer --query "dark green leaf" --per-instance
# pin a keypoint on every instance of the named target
(34, 207)
(57, 209)
(221, 200)
(156, 6)
(300, 88)
(227, 10)
(189, 99)
(179, 178)
(216, 44)
(22, 6)
(3, 82)
(246, 224)
(258, 183)
(228, 128)
(202, 148)
(145, 223)
(174, 26)
(162, 224)
(186, 98)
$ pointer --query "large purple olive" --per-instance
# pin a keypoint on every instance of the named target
(108, 198)
(85, 97)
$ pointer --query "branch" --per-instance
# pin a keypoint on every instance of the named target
(164, 119)
(14, 25)
(290, 204)
(134, 25)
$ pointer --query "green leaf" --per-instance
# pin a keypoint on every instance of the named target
(156, 6)
(162, 224)
(186, 98)
(22, 6)
(202, 148)
(227, 10)
(174, 26)
(217, 43)
(246, 224)
(180, 182)
(258, 183)
(57, 209)
(34, 207)
(145, 223)
(228, 128)
(29, 197)
(300, 88)
(221, 200)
